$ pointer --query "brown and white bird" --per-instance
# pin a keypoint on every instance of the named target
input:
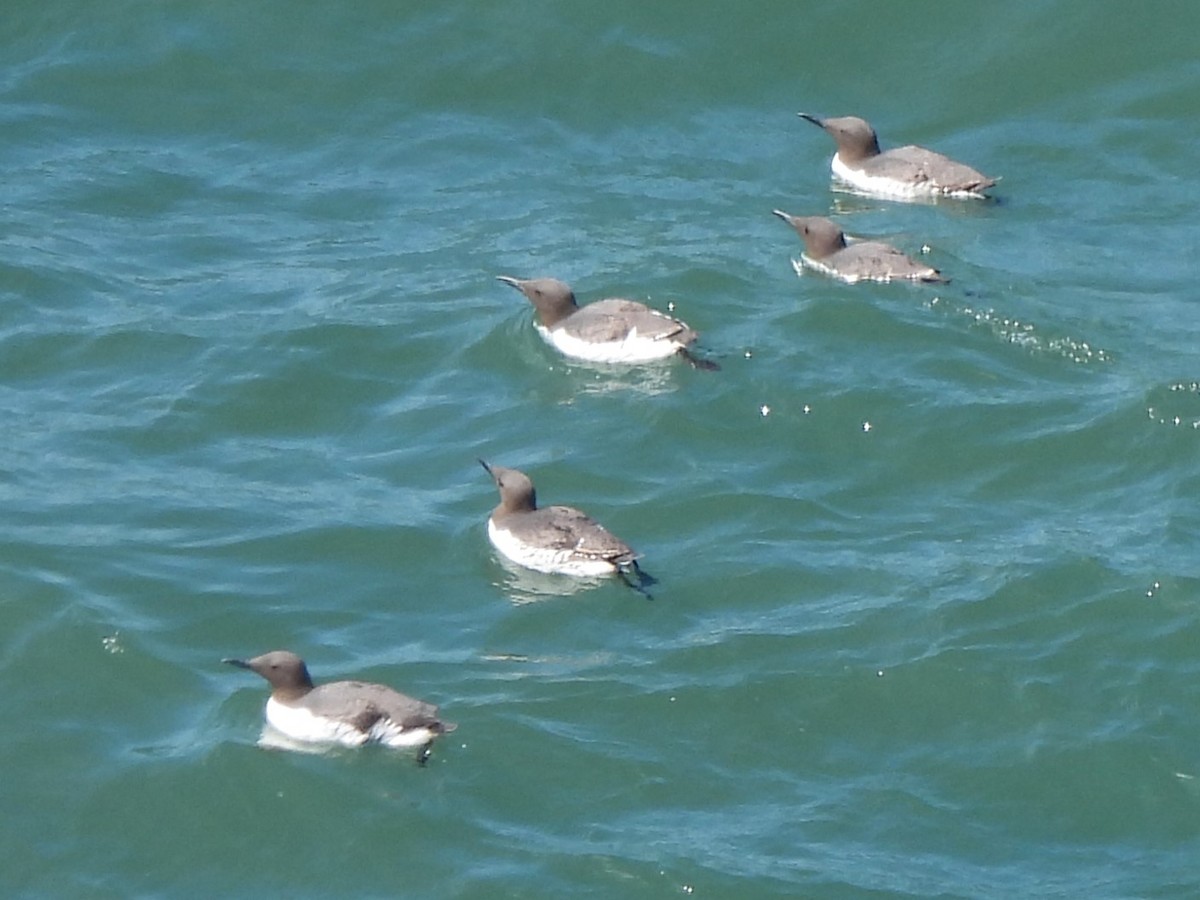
(902, 173)
(349, 713)
(607, 331)
(558, 539)
(826, 251)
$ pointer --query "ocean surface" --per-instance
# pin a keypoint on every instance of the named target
(927, 612)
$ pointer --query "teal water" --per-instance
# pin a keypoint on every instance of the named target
(926, 620)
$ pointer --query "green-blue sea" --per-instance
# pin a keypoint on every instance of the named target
(927, 612)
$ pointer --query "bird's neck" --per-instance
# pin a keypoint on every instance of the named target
(292, 693)
(552, 314)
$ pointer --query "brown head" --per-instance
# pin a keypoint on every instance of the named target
(516, 490)
(286, 673)
(822, 237)
(855, 137)
(553, 299)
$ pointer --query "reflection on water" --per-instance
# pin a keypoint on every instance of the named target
(273, 739)
(523, 585)
(650, 379)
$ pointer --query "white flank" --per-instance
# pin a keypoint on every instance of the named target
(817, 266)
(546, 559)
(807, 262)
(634, 348)
(878, 186)
(299, 724)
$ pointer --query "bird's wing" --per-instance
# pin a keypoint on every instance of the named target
(614, 320)
(370, 703)
(928, 166)
(567, 529)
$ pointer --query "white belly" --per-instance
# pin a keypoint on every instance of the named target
(633, 349)
(542, 559)
(807, 262)
(876, 186)
(299, 724)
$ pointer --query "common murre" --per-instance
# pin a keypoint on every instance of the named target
(902, 173)
(609, 331)
(349, 713)
(558, 539)
(826, 251)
